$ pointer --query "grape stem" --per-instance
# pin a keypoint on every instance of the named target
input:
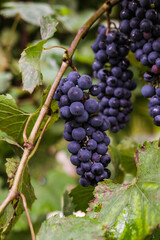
(66, 49)
(108, 22)
(25, 129)
(13, 192)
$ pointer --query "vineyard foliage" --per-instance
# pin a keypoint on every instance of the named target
(125, 207)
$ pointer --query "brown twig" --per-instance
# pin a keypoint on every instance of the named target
(66, 49)
(112, 23)
(39, 139)
(25, 129)
(28, 216)
(45, 108)
(108, 22)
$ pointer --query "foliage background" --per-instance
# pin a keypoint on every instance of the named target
(50, 168)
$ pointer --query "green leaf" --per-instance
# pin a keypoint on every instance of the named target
(30, 58)
(49, 193)
(5, 81)
(54, 111)
(11, 168)
(81, 196)
(70, 228)
(117, 173)
(155, 235)
(47, 27)
(29, 12)
(12, 119)
(51, 61)
(30, 66)
(12, 212)
(131, 210)
(13, 144)
(68, 206)
(126, 149)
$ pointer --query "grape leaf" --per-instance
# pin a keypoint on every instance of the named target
(50, 193)
(117, 173)
(131, 210)
(126, 149)
(48, 27)
(29, 12)
(68, 206)
(5, 81)
(30, 66)
(12, 212)
(54, 111)
(81, 196)
(18, 149)
(13, 119)
(30, 58)
(70, 228)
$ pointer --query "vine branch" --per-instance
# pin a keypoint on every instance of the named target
(39, 139)
(13, 192)
(28, 216)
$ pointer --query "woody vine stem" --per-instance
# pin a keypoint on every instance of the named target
(29, 143)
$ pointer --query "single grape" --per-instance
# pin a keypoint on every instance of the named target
(84, 155)
(75, 94)
(84, 182)
(74, 160)
(73, 147)
(98, 136)
(91, 106)
(97, 168)
(73, 77)
(148, 91)
(78, 134)
(77, 108)
(91, 144)
(85, 82)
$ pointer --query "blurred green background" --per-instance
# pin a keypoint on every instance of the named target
(50, 168)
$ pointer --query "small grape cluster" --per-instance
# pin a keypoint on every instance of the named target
(115, 79)
(153, 93)
(84, 128)
(141, 23)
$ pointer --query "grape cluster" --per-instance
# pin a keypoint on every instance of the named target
(84, 127)
(141, 23)
(153, 93)
(115, 79)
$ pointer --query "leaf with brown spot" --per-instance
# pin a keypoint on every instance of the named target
(76, 228)
(131, 210)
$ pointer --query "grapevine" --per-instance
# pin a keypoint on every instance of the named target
(95, 109)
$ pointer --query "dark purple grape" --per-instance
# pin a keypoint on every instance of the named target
(91, 106)
(148, 91)
(91, 144)
(78, 134)
(75, 94)
(73, 147)
(74, 160)
(77, 108)
(97, 168)
(98, 136)
(84, 155)
(85, 82)
(84, 182)
(73, 77)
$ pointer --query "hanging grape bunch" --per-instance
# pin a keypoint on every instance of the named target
(141, 23)
(84, 127)
(115, 79)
